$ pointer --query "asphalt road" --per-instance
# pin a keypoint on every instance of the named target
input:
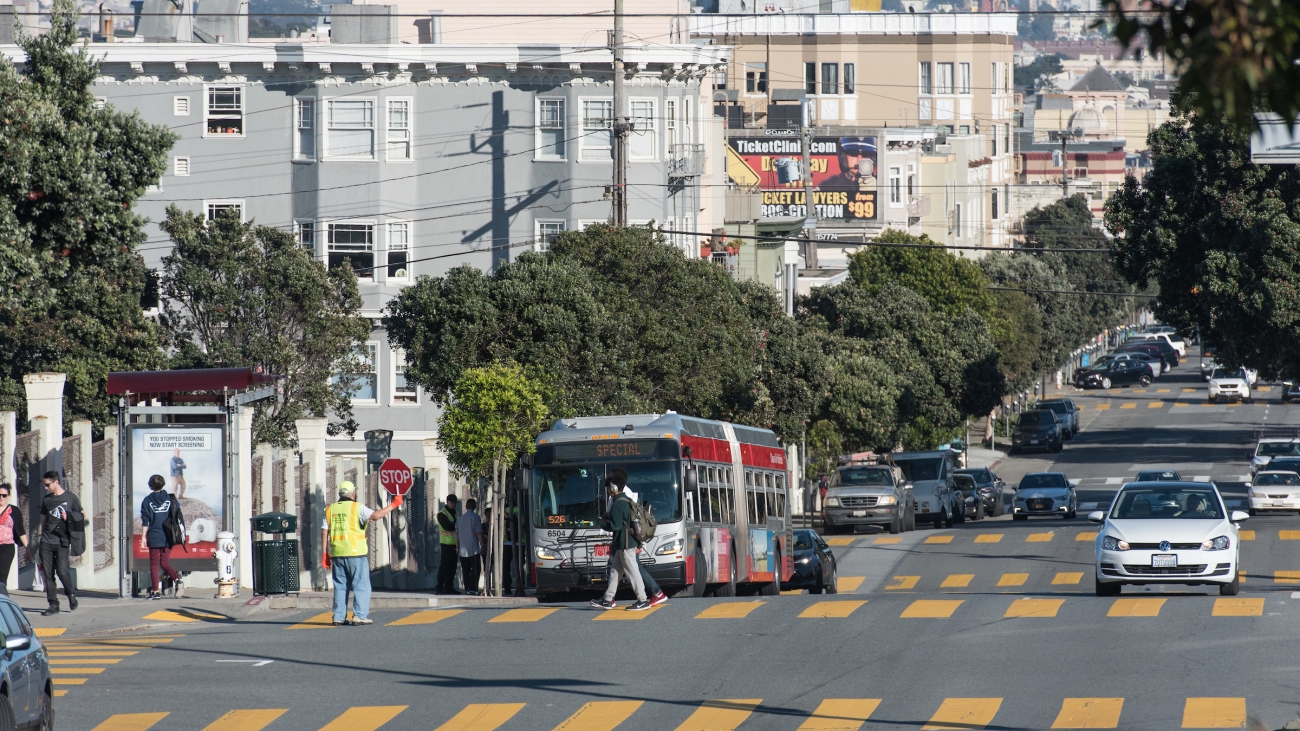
(992, 624)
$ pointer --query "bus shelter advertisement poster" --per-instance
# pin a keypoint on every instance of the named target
(843, 175)
(191, 460)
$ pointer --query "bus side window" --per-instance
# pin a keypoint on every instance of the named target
(780, 496)
(761, 500)
(749, 499)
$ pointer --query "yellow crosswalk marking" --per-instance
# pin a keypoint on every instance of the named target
(1103, 407)
(903, 583)
(1155, 404)
(1179, 403)
(50, 631)
(599, 716)
(1034, 608)
(95, 653)
(957, 581)
(840, 540)
(931, 609)
(1039, 537)
(887, 540)
(1139, 390)
(988, 538)
(1285, 577)
(840, 714)
(69, 681)
(1089, 713)
(791, 592)
(474, 717)
(963, 713)
(1145, 607)
(831, 610)
(939, 539)
(60, 693)
(1189, 390)
(1128, 406)
(1214, 713)
(322, 620)
(1086, 536)
(1162, 390)
(730, 610)
(1238, 607)
(1067, 578)
(1289, 535)
(364, 718)
(251, 719)
(84, 660)
(1115, 390)
(130, 721)
(167, 615)
(620, 613)
(1013, 579)
(426, 616)
(1246, 535)
(531, 614)
(720, 715)
(76, 671)
(849, 583)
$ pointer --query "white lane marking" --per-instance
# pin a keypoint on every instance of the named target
(1114, 480)
(1087, 506)
(1240, 478)
(1074, 482)
(256, 663)
(1200, 478)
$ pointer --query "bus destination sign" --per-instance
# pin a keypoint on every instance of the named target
(613, 449)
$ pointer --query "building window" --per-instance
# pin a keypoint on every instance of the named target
(215, 208)
(354, 243)
(993, 142)
(550, 129)
(641, 146)
(830, 78)
(399, 251)
(181, 106)
(756, 78)
(896, 185)
(399, 129)
(1006, 138)
(181, 166)
(597, 128)
(943, 110)
(101, 102)
(927, 85)
(720, 80)
(351, 132)
(810, 78)
(911, 180)
(943, 84)
(963, 78)
(546, 233)
(306, 124)
(404, 391)
(994, 207)
(923, 110)
(366, 386)
(306, 231)
(956, 221)
(225, 110)
(850, 78)
(670, 121)
(965, 129)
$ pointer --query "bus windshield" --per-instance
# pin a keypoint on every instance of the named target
(573, 496)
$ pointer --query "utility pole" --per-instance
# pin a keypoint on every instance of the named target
(620, 123)
(1065, 167)
(810, 213)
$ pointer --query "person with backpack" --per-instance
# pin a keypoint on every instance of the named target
(623, 513)
(652, 590)
(62, 519)
(12, 531)
(156, 511)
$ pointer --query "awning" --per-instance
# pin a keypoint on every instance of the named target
(197, 379)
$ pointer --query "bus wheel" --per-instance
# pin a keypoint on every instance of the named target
(728, 589)
(773, 587)
(701, 573)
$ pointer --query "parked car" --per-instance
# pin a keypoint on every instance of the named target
(1158, 476)
(1063, 407)
(814, 565)
(930, 474)
(1174, 341)
(1290, 391)
(1167, 533)
(1118, 373)
(1229, 384)
(1150, 355)
(868, 495)
(1045, 493)
(1037, 429)
(1273, 490)
(25, 682)
(1098, 365)
(991, 486)
(973, 501)
(1167, 351)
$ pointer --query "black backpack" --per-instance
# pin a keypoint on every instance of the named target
(174, 526)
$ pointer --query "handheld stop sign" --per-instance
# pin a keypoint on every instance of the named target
(395, 477)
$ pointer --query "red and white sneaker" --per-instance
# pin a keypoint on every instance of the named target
(658, 599)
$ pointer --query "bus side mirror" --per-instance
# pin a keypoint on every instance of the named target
(691, 480)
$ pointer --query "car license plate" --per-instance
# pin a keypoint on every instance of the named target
(1279, 504)
(859, 513)
(1033, 441)
(1164, 561)
(600, 549)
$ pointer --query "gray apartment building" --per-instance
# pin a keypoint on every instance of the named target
(411, 159)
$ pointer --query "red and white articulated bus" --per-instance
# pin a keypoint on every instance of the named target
(720, 494)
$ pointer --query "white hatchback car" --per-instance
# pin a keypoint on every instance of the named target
(1273, 490)
(1167, 533)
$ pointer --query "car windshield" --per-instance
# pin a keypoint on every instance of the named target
(981, 474)
(916, 470)
(964, 482)
(871, 476)
(1276, 449)
(572, 497)
(1158, 476)
(1046, 479)
(1277, 478)
(1037, 418)
(1187, 502)
(1228, 373)
(803, 539)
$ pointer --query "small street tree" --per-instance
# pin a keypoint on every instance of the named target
(495, 414)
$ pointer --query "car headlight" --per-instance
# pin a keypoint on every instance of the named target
(832, 502)
(1111, 543)
(673, 546)
(886, 500)
(1221, 543)
(547, 553)
(804, 560)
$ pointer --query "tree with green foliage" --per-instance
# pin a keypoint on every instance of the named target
(824, 449)
(70, 278)
(240, 295)
(950, 284)
(495, 414)
(1220, 236)
(1047, 65)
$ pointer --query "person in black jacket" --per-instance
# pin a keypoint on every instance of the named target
(61, 513)
(154, 511)
(622, 552)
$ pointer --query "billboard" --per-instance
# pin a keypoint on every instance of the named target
(843, 175)
(191, 458)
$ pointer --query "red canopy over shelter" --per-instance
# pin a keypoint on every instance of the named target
(197, 379)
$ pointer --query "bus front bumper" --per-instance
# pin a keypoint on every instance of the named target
(586, 577)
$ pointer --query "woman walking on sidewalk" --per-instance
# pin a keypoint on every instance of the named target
(12, 531)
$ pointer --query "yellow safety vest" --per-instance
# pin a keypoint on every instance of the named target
(347, 537)
(446, 537)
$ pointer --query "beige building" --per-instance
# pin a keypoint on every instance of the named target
(964, 207)
(1099, 107)
(580, 22)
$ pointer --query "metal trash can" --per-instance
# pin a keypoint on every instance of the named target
(275, 562)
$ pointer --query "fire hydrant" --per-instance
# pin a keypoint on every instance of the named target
(227, 583)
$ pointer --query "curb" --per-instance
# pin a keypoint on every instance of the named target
(416, 601)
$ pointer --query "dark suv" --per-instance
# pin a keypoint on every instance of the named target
(1037, 429)
(1067, 413)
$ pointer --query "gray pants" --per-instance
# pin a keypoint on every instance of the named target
(624, 563)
